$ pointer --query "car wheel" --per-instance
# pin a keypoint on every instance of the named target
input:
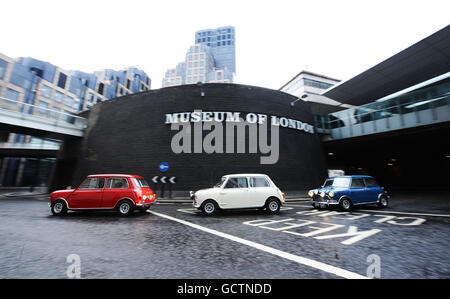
(59, 208)
(273, 206)
(209, 208)
(383, 202)
(345, 204)
(125, 208)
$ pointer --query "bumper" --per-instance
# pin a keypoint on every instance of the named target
(326, 201)
(144, 205)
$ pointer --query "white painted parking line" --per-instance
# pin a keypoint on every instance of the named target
(405, 213)
(380, 211)
(298, 259)
(297, 206)
(189, 211)
(197, 211)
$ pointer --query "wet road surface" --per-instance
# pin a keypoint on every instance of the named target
(174, 241)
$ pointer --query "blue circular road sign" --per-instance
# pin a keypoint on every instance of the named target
(163, 166)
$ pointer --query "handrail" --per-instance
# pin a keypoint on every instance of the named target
(66, 118)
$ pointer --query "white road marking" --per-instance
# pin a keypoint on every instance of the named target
(298, 259)
(381, 211)
(406, 213)
(196, 211)
(297, 206)
(189, 211)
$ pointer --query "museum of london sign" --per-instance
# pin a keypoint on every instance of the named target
(236, 117)
(203, 132)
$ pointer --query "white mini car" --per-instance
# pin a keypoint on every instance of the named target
(239, 191)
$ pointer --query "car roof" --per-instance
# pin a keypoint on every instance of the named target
(247, 174)
(116, 175)
(351, 176)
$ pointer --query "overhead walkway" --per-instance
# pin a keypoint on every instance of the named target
(30, 150)
(22, 118)
(426, 105)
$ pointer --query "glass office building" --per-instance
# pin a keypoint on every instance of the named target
(211, 60)
(39, 88)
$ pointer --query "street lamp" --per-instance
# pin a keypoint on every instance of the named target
(303, 96)
(200, 84)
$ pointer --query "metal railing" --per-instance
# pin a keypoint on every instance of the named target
(422, 107)
(41, 114)
(30, 145)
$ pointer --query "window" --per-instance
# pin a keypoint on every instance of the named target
(370, 182)
(338, 182)
(69, 102)
(101, 86)
(128, 84)
(140, 183)
(99, 99)
(117, 183)
(93, 183)
(236, 183)
(11, 94)
(62, 80)
(259, 182)
(54, 113)
(45, 91)
(58, 97)
(43, 107)
(3, 67)
(358, 183)
(317, 84)
(90, 97)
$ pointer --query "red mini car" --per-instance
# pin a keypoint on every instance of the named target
(121, 192)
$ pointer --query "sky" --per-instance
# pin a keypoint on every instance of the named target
(275, 40)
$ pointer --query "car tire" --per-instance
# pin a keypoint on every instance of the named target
(345, 204)
(273, 206)
(383, 202)
(209, 208)
(59, 208)
(125, 208)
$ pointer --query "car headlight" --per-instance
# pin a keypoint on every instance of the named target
(331, 194)
(316, 192)
(144, 197)
(322, 194)
(310, 193)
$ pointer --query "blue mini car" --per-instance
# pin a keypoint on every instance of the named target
(348, 191)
